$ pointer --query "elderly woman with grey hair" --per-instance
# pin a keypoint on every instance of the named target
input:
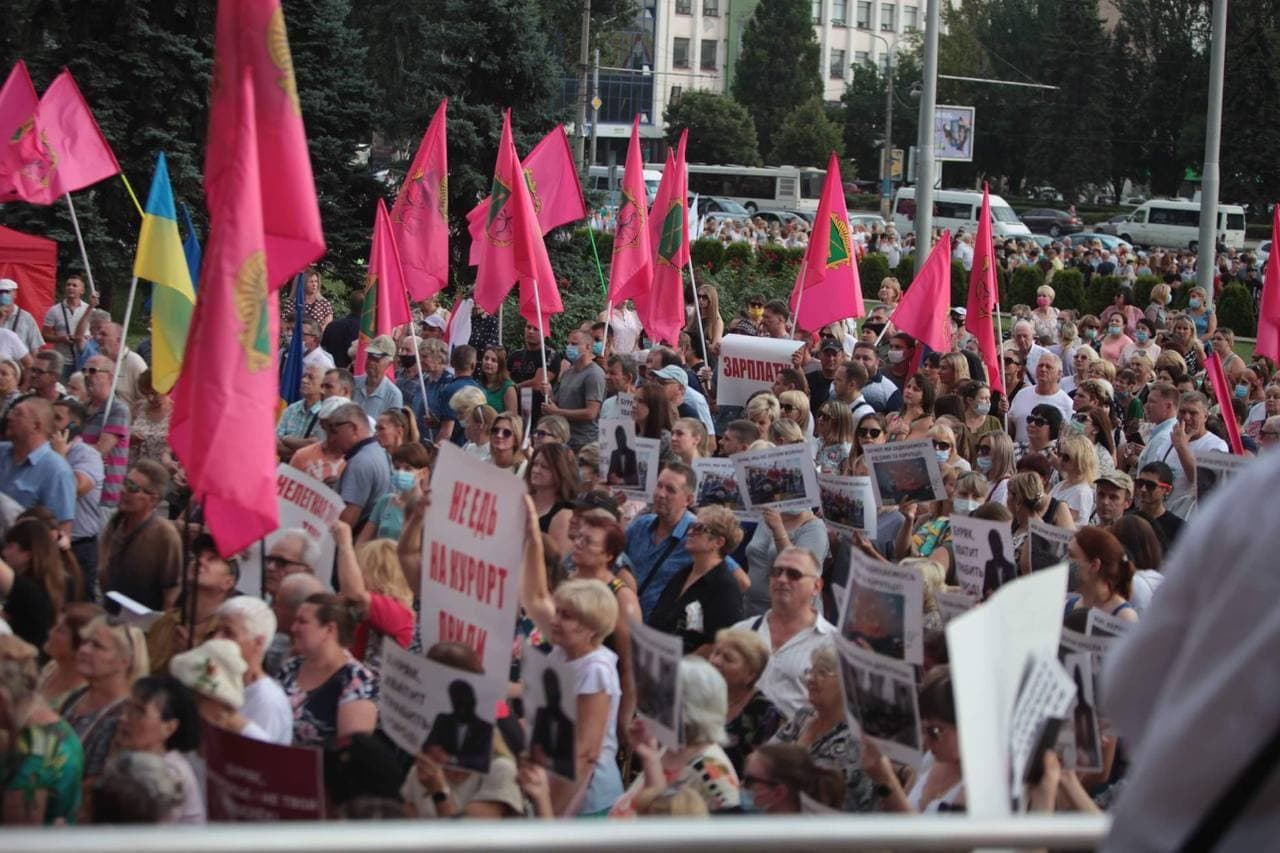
(701, 764)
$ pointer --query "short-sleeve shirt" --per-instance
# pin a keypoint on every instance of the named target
(320, 310)
(366, 477)
(47, 758)
(116, 462)
(656, 563)
(783, 677)
(385, 396)
(578, 387)
(42, 479)
(63, 321)
(299, 420)
(315, 712)
(314, 461)
(142, 563)
(266, 704)
(22, 324)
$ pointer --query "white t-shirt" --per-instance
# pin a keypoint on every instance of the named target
(191, 809)
(1026, 400)
(783, 678)
(1078, 498)
(624, 328)
(11, 346)
(597, 672)
(267, 708)
(63, 321)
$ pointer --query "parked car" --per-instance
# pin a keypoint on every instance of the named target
(782, 217)
(1044, 241)
(1047, 220)
(1112, 225)
(713, 204)
(1110, 242)
(870, 220)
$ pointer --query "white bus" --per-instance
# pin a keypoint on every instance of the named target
(1175, 223)
(758, 188)
(956, 209)
(598, 179)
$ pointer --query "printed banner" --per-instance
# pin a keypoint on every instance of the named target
(250, 780)
(880, 701)
(655, 658)
(402, 693)
(984, 554)
(718, 484)
(904, 471)
(461, 707)
(304, 503)
(781, 478)
(1045, 694)
(1213, 469)
(848, 504)
(883, 609)
(1049, 546)
(748, 365)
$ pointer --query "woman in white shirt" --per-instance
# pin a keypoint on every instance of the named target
(1078, 463)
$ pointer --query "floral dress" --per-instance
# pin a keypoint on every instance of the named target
(708, 772)
(315, 712)
(837, 749)
(46, 758)
(760, 720)
(149, 438)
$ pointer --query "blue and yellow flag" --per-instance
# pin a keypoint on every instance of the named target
(161, 261)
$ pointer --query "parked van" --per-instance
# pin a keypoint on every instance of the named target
(1175, 223)
(598, 179)
(956, 209)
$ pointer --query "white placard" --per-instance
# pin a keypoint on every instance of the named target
(649, 460)
(304, 503)
(472, 556)
(1084, 723)
(848, 504)
(134, 612)
(988, 648)
(1213, 469)
(402, 693)
(904, 471)
(883, 609)
(551, 707)
(1103, 624)
(749, 364)
(781, 478)
(1049, 545)
(880, 701)
(718, 484)
(619, 464)
(626, 404)
(655, 659)
(984, 554)
(462, 710)
(1045, 694)
(952, 604)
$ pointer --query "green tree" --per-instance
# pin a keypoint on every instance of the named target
(720, 131)
(807, 137)
(1250, 168)
(863, 103)
(779, 67)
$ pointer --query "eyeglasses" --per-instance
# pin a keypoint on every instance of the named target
(541, 433)
(984, 450)
(501, 432)
(91, 371)
(793, 575)
(133, 487)
(1148, 485)
(1036, 421)
(870, 432)
(749, 779)
(1012, 362)
(790, 407)
(1080, 418)
(818, 672)
(941, 445)
(274, 560)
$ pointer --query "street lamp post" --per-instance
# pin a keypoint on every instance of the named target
(925, 155)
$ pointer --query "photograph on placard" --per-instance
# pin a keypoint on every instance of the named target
(550, 704)
(983, 552)
(718, 485)
(781, 478)
(881, 701)
(1214, 469)
(655, 660)
(1085, 730)
(648, 463)
(619, 463)
(905, 471)
(883, 608)
(1049, 547)
(1041, 706)
(460, 706)
(952, 603)
(848, 504)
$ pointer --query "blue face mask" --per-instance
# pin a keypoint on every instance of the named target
(1194, 302)
(942, 456)
(1242, 391)
(402, 481)
(984, 464)
(597, 349)
(6, 297)
(1141, 337)
(747, 801)
(572, 352)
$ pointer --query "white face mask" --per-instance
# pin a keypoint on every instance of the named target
(896, 356)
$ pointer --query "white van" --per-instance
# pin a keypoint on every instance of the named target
(956, 209)
(598, 179)
(1175, 224)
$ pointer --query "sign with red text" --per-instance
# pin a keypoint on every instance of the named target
(305, 504)
(472, 554)
(251, 780)
(748, 365)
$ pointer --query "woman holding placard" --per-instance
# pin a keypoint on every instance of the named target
(1104, 572)
(370, 578)
(870, 430)
(931, 537)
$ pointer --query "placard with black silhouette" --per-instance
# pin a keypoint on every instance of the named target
(983, 552)
(655, 659)
(848, 504)
(718, 485)
(1214, 469)
(551, 711)
(1094, 647)
(619, 465)
(1086, 733)
(781, 478)
(904, 471)
(1049, 547)
(883, 609)
(461, 707)
(880, 701)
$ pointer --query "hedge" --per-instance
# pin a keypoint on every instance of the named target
(1235, 310)
(706, 253)
(872, 269)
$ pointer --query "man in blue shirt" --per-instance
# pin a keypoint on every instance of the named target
(656, 540)
(30, 471)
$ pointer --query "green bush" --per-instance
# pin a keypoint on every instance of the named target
(1022, 287)
(1235, 310)
(603, 247)
(706, 253)
(1142, 290)
(873, 269)
(774, 259)
(739, 254)
(959, 284)
(1100, 293)
(1068, 289)
(905, 271)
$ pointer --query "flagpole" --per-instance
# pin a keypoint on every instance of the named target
(124, 333)
(697, 311)
(542, 332)
(608, 318)
(1000, 362)
(422, 382)
(591, 234)
(132, 195)
(84, 256)
(500, 304)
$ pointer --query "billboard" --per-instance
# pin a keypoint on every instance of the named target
(953, 133)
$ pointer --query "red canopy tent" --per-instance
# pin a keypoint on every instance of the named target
(33, 263)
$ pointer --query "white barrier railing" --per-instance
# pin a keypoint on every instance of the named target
(811, 833)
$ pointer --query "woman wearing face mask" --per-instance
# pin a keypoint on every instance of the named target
(1104, 571)
(944, 447)
(1044, 316)
(977, 415)
(916, 418)
(749, 317)
(1116, 341)
(1122, 306)
(1091, 331)
(1201, 313)
(939, 783)
(1094, 423)
(777, 774)
(971, 493)
(995, 461)
(499, 391)
(1078, 464)
(410, 465)
(1143, 343)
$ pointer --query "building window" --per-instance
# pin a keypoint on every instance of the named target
(860, 56)
(887, 17)
(711, 8)
(817, 11)
(864, 15)
(675, 94)
(680, 53)
(837, 64)
(839, 12)
(909, 18)
(708, 54)
(684, 7)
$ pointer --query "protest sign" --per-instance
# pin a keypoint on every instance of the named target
(402, 691)
(1213, 469)
(848, 504)
(781, 478)
(1045, 694)
(472, 554)
(718, 484)
(749, 364)
(1084, 735)
(626, 404)
(304, 503)
(1049, 546)
(550, 701)
(649, 461)
(883, 610)
(1093, 648)
(655, 659)
(952, 604)
(462, 709)
(251, 780)
(904, 471)
(984, 554)
(619, 465)
(1103, 624)
(880, 701)
(988, 648)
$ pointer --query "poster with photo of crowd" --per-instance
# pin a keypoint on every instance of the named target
(781, 478)
(655, 659)
(904, 471)
(848, 504)
(880, 701)
(718, 485)
(983, 552)
(883, 610)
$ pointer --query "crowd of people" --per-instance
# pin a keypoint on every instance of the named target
(101, 718)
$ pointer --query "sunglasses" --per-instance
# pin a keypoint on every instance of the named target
(703, 529)
(984, 450)
(755, 304)
(941, 445)
(541, 433)
(793, 575)
(1036, 421)
(788, 407)
(1080, 419)
(132, 487)
(1148, 485)
(870, 433)
(501, 432)
(1012, 362)
(91, 371)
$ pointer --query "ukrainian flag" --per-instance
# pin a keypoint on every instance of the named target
(161, 261)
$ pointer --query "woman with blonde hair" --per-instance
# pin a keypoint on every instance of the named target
(1028, 499)
(741, 656)
(689, 440)
(935, 581)
(395, 428)
(835, 433)
(370, 578)
(10, 384)
(712, 322)
(460, 406)
(953, 372)
(1080, 361)
(1044, 316)
(785, 431)
(477, 427)
(506, 435)
(1201, 313)
(1157, 309)
(1078, 464)
(762, 410)
(794, 406)
(551, 429)
(112, 657)
(997, 462)
(944, 446)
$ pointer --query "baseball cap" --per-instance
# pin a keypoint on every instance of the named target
(382, 347)
(831, 346)
(671, 373)
(1119, 479)
(8, 284)
(435, 321)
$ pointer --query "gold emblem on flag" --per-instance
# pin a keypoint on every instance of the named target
(278, 50)
(250, 303)
(37, 158)
(838, 246)
(631, 219)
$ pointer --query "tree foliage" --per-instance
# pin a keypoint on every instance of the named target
(1251, 104)
(779, 66)
(863, 103)
(720, 131)
(807, 137)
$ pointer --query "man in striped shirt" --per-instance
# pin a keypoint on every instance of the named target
(107, 432)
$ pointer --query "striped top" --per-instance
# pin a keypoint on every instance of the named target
(115, 463)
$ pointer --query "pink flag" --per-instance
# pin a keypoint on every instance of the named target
(983, 297)
(223, 424)
(661, 310)
(385, 304)
(250, 43)
(56, 150)
(1269, 315)
(18, 102)
(631, 271)
(552, 180)
(827, 288)
(1222, 393)
(511, 246)
(420, 217)
(925, 308)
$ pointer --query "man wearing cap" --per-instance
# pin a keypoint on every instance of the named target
(18, 320)
(830, 358)
(579, 392)
(692, 403)
(374, 392)
(323, 459)
(214, 581)
(433, 327)
(1113, 493)
(367, 475)
(1154, 484)
(62, 321)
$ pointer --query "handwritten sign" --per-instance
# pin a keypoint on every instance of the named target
(250, 780)
(402, 692)
(984, 554)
